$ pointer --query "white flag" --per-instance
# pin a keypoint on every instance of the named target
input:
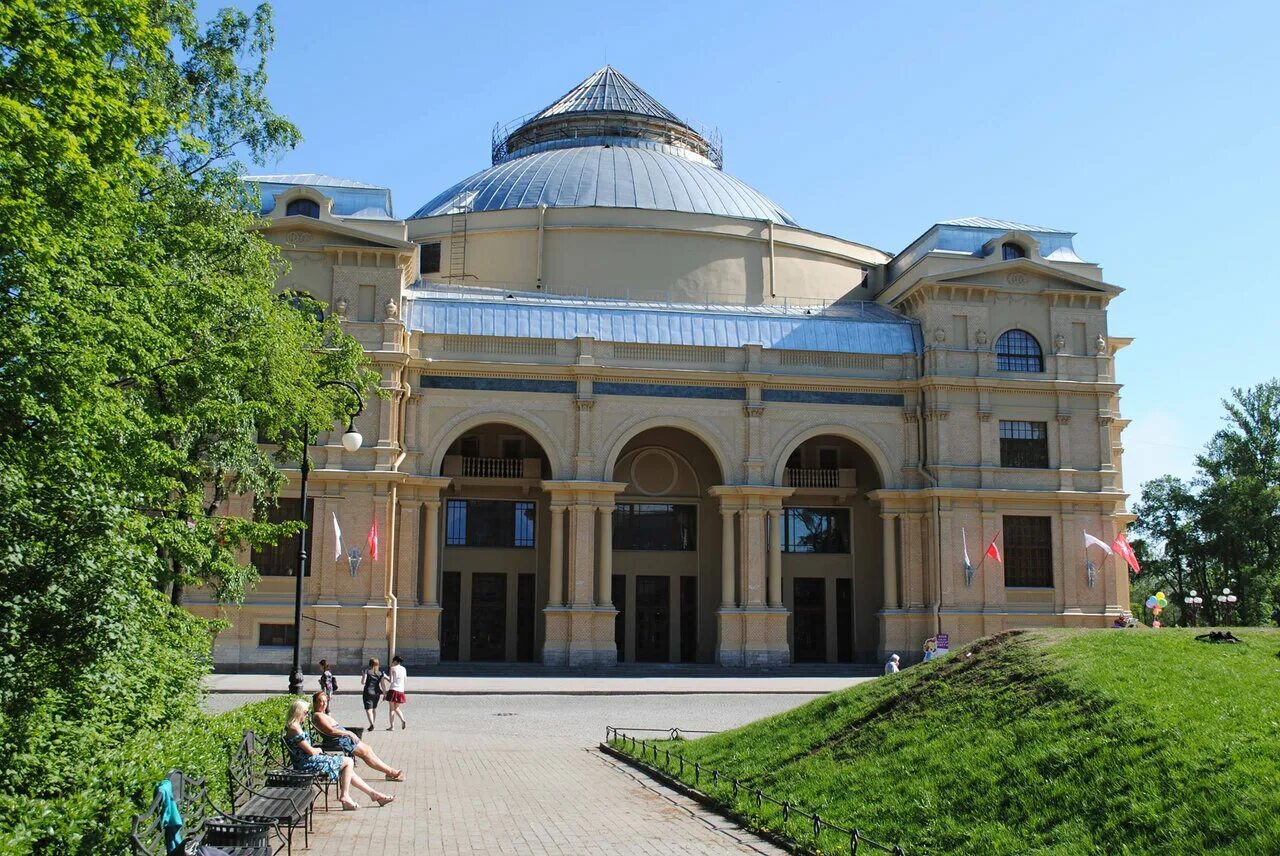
(1090, 541)
(337, 537)
(964, 539)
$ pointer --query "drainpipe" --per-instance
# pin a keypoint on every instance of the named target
(542, 214)
(393, 604)
(773, 289)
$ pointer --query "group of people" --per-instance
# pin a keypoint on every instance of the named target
(305, 756)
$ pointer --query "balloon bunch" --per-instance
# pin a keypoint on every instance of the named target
(1156, 603)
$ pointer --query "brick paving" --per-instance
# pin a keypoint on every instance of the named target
(520, 775)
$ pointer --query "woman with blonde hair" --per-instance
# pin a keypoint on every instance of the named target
(308, 759)
(351, 745)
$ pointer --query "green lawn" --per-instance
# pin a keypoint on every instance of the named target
(1107, 741)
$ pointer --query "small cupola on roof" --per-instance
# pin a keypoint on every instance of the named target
(606, 143)
(607, 106)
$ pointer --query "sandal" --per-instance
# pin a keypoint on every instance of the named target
(397, 776)
(383, 800)
(350, 805)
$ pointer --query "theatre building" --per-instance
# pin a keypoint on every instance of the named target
(636, 412)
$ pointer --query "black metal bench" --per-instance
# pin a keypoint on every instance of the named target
(260, 792)
(331, 745)
(202, 823)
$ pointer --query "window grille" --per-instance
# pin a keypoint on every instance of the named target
(1018, 351)
(655, 526)
(815, 530)
(1028, 552)
(489, 523)
(1024, 444)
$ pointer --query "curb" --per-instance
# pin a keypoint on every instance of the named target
(482, 692)
(705, 801)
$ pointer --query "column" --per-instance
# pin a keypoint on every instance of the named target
(604, 564)
(555, 593)
(726, 559)
(431, 554)
(890, 562)
(775, 557)
(581, 555)
(753, 562)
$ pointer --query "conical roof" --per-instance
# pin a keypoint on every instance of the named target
(607, 91)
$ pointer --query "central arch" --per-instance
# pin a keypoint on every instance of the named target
(666, 541)
(714, 442)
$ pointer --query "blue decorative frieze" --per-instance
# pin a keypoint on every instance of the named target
(498, 384)
(670, 390)
(818, 396)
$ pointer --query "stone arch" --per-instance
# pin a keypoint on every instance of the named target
(874, 449)
(531, 425)
(711, 438)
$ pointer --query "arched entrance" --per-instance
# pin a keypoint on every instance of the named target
(493, 556)
(832, 576)
(666, 548)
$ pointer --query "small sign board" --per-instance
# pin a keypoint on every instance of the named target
(944, 643)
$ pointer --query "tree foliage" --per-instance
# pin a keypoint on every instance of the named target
(143, 355)
(1222, 529)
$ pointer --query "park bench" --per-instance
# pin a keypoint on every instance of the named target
(202, 824)
(330, 745)
(261, 790)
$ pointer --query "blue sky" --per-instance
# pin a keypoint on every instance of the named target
(1151, 130)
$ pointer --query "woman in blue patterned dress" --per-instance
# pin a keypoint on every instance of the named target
(336, 768)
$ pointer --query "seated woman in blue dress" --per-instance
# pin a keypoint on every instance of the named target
(336, 768)
(351, 745)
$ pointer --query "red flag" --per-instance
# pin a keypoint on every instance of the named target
(373, 539)
(993, 552)
(1121, 546)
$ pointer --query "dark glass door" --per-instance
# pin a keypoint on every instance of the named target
(810, 619)
(488, 617)
(844, 621)
(620, 620)
(526, 614)
(688, 619)
(653, 619)
(451, 604)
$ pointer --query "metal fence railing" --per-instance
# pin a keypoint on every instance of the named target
(647, 754)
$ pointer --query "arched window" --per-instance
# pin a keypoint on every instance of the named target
(1010, 250)
(304, 207)
(1018, 351)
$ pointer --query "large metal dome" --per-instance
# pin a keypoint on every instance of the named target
(606, 143)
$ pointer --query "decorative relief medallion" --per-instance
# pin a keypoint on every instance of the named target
(392, 309)
(980, 337)
(340, 307)
(939, 335)
(298, 237)
(654, 472)
(1016, 279)
(1059, 343)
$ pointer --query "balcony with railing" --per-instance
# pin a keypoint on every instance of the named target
(491, 468)
(833, 479)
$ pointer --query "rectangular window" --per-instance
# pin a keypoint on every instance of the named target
(1028, 552)
(489, 523)
(513, 448)
(828, 458)
(1024, 444)
(275, 635)
(815, 530)
(429, 258)
(281, 560)
(655, 526)
(469, 447)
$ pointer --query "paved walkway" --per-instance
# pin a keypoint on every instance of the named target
(500, 774)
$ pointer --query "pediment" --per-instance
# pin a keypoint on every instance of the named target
(1022, 275)
(311, 233)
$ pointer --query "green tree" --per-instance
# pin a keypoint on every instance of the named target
(142, 356)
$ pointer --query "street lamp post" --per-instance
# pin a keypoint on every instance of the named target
(1226, 604)
(1193, 602)
(351, 441)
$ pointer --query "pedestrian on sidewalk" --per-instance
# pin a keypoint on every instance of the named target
(891, 667)
(328, 683)
(395, 695)
(372, 689)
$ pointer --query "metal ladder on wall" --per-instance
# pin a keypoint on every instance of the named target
(458, 248)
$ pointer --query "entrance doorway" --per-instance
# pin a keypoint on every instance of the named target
(488, 617)
(653, 619)
(810, 619)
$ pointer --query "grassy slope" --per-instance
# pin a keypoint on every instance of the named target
(1040, 742)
